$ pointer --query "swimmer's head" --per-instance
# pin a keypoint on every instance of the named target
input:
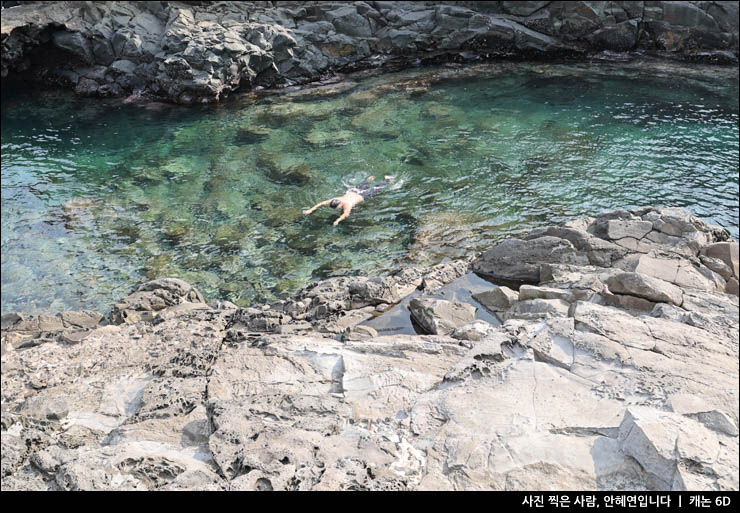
(334, 203)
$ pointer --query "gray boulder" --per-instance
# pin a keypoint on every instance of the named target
(258, 321)
(680, 272)
(75, 43)
(347, 20)
(439, 316)
(373, 291)
(718, 266)
(152, 297)
(519, 260)
(646, 287)
(475, 331)
(620, 37)
(732, 287)
(498, 299)
(619, 229)
(45, 408)
(598, 251)
(613, 324)
(727, 252)
(538, 308)
(23, 330)
(531, 292)
(661, 441)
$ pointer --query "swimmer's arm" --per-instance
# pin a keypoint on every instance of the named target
(317, 205)
(344, 216)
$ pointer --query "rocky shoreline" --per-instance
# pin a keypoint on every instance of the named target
(607, 358)
(199, 52)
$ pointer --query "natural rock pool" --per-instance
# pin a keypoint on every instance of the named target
(99, 196)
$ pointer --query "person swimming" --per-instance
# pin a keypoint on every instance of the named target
(353, 197)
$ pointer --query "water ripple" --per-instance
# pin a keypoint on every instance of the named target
(99, 197)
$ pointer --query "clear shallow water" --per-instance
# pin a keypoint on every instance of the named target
(98, 197)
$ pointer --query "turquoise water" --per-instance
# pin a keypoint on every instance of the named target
(99, 196)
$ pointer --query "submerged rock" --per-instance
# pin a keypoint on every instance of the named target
(439, 235)
(251, 134)
(320, 138)
(229, 237)
(282, 169)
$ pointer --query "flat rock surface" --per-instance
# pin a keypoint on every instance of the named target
(572, 392)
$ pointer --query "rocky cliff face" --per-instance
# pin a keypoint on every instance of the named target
(614, 366)
(192, 52)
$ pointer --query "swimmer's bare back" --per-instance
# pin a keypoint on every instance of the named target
(352, 197)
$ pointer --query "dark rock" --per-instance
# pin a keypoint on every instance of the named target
(519, 260)
(348, 21)
(688, 15)
(619, 37)
(10, 320)
(200, 52)
(87, 87)
(522, 8)
(599, 251)
(530, 41)
(123, 66)
(298, 174)
(628, 302)
(75, 43)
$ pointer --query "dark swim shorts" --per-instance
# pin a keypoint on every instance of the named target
(366, 190)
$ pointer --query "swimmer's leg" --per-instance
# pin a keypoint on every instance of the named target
(367, 193)
(366, 185)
